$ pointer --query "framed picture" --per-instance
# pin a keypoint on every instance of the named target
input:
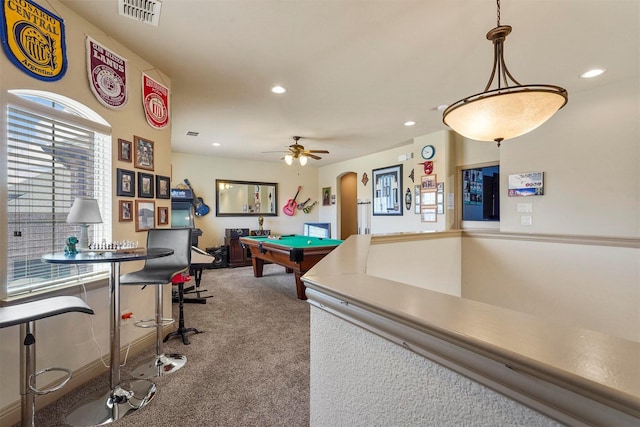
(142, 153)
(429, 182)
(125, 211)
(163, 215)
(145, 185)
(387, 188)
(416, 196)
(124, 150)
(145, 214)
(326, 196)
(163, 187)
(428, 214)
(428, 198)
(126, 183)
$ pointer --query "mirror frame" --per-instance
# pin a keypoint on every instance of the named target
(253, 183)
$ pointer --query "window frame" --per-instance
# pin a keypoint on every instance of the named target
(74, 114)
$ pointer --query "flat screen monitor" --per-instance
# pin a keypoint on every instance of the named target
(317, 229)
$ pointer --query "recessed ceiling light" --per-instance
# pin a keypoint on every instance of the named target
(192, 133)
(409, 123)
(278, 89)
(592, 73)
(216, 144)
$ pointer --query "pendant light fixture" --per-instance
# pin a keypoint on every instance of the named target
(508, 111)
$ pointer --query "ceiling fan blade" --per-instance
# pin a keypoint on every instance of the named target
(313, 156)
(317, 151)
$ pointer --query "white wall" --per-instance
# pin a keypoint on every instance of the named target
(590, 154)
(366, 380)
(202, 172)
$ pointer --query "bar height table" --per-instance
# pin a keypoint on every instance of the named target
(103, 407)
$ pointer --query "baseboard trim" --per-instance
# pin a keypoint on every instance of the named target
(10, 414)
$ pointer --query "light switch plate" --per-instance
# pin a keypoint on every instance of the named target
(525, 207)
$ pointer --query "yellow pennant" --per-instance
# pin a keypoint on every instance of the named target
(33, 39)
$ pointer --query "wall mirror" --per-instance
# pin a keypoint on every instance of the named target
(246, 198)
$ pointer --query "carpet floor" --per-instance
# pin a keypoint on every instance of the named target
(249, 366)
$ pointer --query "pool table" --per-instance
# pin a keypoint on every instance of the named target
(296, 253)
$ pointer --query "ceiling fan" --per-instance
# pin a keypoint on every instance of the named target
(297, 151)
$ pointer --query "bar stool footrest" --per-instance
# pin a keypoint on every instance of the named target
(63, 381)
(146, 323)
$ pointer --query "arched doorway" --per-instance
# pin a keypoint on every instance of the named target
(348, 204)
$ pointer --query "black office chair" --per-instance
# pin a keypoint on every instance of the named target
(160, 272)
(25, 315)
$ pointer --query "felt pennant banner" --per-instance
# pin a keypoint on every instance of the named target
(33, 39)
(155, 98)
(107, 74)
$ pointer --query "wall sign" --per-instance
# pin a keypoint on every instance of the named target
(526, 184)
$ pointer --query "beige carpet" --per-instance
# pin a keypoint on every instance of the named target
(248, 367)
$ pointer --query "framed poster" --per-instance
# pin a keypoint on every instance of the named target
(163, 187)
(126, 183)
(428, 198)
(145, 215)
(428, 214)
(124, 150)
(429, 182)
(125, 210)
(163, 215)
(387, 186)
(142, 153)
(145, 185)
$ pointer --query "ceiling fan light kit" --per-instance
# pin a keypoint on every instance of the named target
(297, 151)
(510, 110)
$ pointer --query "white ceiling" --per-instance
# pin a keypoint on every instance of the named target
(356, 70)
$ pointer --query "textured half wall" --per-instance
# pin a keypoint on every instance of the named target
(361, 379)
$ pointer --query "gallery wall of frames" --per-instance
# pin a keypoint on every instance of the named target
(138, 188)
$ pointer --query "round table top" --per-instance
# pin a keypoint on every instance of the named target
(92, 257)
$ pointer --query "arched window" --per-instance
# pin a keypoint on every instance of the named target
(57, 150)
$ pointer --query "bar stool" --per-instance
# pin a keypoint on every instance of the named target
(160, 272)
(26, 315)
(180, 280)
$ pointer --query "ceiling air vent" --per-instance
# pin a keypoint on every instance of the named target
(147, 11)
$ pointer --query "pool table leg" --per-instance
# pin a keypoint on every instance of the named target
(300, 287)
(258, 264)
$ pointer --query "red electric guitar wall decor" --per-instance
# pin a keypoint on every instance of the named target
(290, 207)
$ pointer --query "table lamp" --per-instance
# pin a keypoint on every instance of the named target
(84, 211)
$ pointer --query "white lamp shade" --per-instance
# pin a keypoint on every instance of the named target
(289, 159)
(504, 114)
(84, 211)
(303, 160)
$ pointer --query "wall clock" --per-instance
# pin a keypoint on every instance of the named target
(428, 151)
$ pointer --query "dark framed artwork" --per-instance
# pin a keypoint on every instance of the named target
(143, 154)
(124, 150)
(145, 185)
(163, 187)
(163, 215)
(126, 183)
(387, 188)
(326, 196)
(145, 214)
(125, 211)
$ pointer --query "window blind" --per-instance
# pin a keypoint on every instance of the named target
(50, 162)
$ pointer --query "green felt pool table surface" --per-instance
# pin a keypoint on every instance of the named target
(296, 253)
